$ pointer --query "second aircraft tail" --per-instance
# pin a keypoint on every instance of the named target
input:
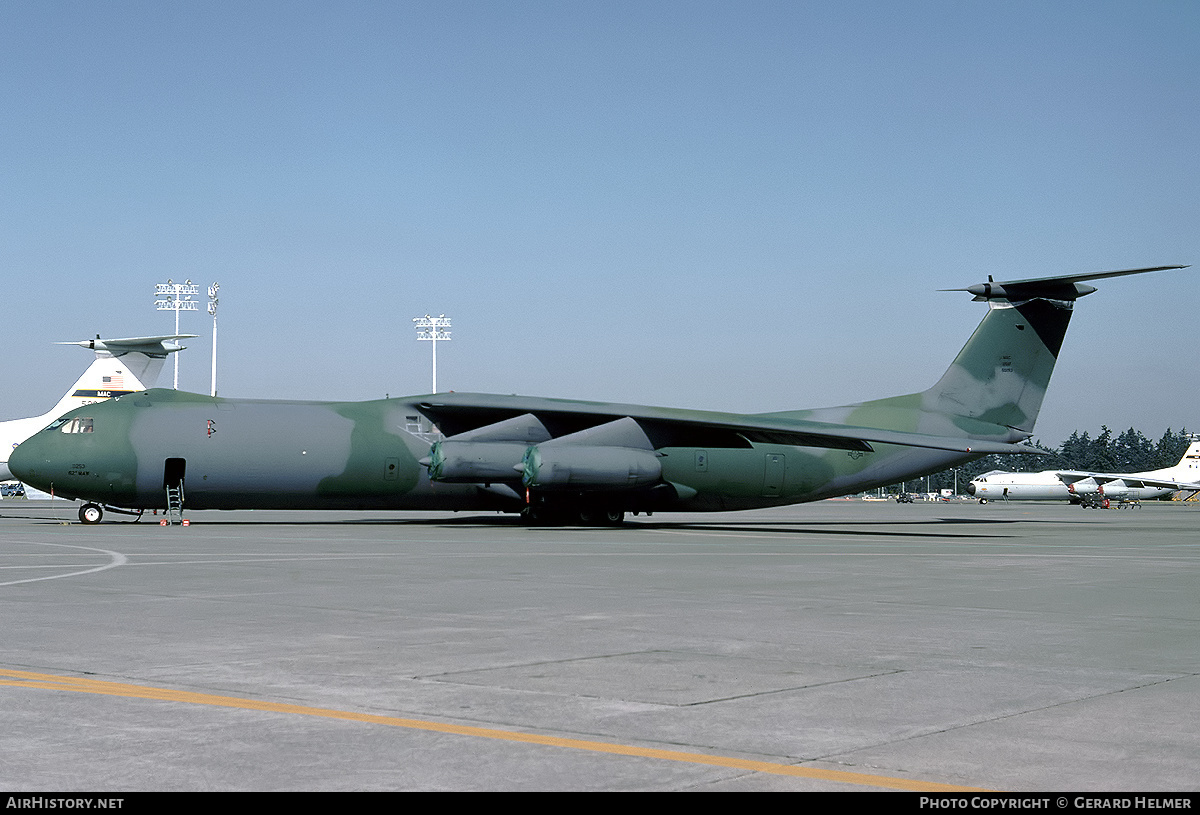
(121, 366)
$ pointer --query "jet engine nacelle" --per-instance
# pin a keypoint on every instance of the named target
(579, 467)
(1086, 487)
(470, 462)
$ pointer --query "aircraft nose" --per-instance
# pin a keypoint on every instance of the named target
(970, 488)
(25, 459)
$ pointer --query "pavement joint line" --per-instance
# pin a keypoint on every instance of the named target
(27, 679)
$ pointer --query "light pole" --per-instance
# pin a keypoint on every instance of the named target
(176, 297)
(433, 329)
(212, 309)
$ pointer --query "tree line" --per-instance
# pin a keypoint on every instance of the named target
(1129, 452)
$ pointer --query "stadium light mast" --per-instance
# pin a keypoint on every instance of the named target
(212, 309)
(433, 329)
(176, 297)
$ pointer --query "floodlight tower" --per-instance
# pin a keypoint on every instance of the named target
(212, 309)
(176, 297)
(433, 329)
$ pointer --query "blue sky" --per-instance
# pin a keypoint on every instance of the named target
(729, 205)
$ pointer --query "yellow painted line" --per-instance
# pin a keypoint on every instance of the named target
(26, 679)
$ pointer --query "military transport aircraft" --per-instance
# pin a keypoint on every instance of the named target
(556, 460)
(1090, 489)
(121, 366)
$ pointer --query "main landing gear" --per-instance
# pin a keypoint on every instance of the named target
(588, 516)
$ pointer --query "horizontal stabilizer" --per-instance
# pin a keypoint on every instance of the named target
(1059, 287)
(158, 346)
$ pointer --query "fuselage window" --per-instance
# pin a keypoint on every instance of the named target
(80, 424)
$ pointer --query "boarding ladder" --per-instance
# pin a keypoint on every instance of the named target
(175, 503)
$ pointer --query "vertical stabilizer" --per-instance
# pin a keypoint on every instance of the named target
(1001, 374)
(1188, 468)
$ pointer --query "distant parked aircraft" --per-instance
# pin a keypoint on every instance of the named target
(1090, 489)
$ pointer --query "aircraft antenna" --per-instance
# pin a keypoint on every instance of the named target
(433, 329)
(176, 297)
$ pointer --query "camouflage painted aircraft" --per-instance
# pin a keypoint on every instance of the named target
(556, 460)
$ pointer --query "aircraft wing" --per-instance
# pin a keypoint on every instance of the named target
(456, 413)
(1071, 477)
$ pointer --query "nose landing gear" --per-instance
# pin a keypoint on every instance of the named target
(91, 513)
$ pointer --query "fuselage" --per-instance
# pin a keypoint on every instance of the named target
(1043, 486)
(240, 453)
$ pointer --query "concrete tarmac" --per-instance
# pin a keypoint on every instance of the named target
(831, 646)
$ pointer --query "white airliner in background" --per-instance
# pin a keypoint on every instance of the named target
(1090, 489)
(121, 366)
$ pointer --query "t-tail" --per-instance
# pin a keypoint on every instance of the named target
(1000, 376)
(121, 366)
(995, 386)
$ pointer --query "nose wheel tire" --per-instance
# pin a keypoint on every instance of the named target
(91, 513)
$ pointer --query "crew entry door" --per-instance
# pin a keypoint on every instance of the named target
(775, 466)
(173, 470)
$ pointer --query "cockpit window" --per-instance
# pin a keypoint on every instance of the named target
(80, 424)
